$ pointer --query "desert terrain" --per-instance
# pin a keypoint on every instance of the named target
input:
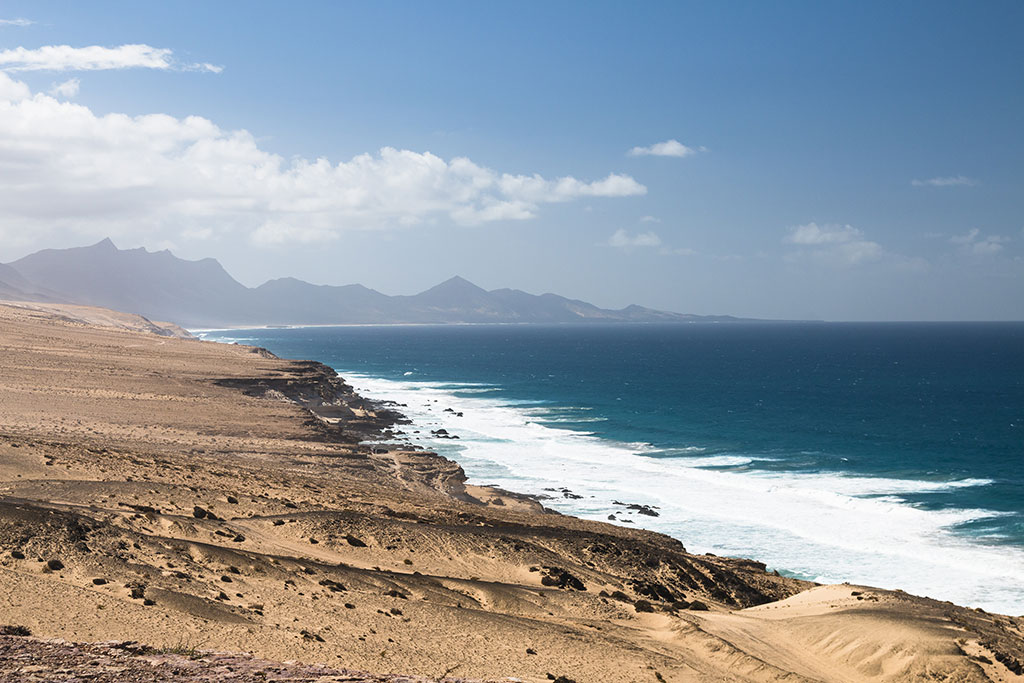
(197, 497)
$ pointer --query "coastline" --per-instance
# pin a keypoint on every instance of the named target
(310, 522)
(798, 505)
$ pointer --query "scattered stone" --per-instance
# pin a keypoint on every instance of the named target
(232, 500)
(353, 541)
(560, 578)
(200, 513)
(18, 555)
(530, 651)
(309, 635)
(99, 582)
(54, 565)
(643, 606)
(698, 606)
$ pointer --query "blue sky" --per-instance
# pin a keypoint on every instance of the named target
(856, 161)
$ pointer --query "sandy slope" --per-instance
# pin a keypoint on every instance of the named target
(115, 444)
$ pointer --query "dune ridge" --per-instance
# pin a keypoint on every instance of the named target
(196, 496)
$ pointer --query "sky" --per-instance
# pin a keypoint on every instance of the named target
(827, 160)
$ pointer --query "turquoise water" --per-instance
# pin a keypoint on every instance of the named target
(887, 454)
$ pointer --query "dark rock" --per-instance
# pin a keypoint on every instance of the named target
(698, 606)
(18, 555)
(653, 590)
(232, 500)
(199, 513)
(560, 578)
(643, 606)
(21, 631)
(353, 541)
(530, 651)
(54, 565)
(99, 582)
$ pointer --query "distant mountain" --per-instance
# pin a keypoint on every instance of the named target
(159, 285)
(15, 287)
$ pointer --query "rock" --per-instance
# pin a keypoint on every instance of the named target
(18, 555)
(698, 606)
(232, 500)
(530, 651)
(199, 513)
(353, 541)
(560, 578)
(21, 631)
(653, 590)
(643, 606)
(54, 565)
(99, 582)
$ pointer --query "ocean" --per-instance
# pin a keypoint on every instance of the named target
(884, 454)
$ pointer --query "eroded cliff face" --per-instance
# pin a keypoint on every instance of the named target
(166, 491)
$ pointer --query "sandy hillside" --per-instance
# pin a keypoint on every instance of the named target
(191, 495)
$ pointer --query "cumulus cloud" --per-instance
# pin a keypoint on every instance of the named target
(64, 167)
(669, 148)
(947, 181)
(16, 22)
(973, 242)
(843, 244)
(621, 239)
(650, 219)
(95, 58)
(67, 89)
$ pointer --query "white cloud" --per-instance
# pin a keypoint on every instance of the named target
(63, 167)
(669, 148)
(947, 181)
(94, 58)
(973, 242)
(843, 244)
(67, 89)
(16, 22)
(623, 240)
(650, 219)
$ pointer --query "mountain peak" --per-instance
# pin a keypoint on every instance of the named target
(106, 244)
(456, 284)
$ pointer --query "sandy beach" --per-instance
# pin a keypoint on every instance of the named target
(194, 496)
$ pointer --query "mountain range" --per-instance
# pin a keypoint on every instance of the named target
(159, 285)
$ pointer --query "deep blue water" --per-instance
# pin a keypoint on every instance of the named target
(834, 451)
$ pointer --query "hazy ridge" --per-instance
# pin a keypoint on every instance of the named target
(203, 294)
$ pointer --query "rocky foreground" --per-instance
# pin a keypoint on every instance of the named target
(200, 497)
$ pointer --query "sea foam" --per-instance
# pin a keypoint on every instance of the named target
(827, 527)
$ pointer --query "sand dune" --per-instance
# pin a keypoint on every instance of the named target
(191, 495)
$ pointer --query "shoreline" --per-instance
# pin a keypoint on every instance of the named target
(567, 487)
(175, 489)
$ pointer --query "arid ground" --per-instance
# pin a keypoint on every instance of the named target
(195, 497)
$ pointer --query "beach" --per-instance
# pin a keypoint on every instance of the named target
(198, 496)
